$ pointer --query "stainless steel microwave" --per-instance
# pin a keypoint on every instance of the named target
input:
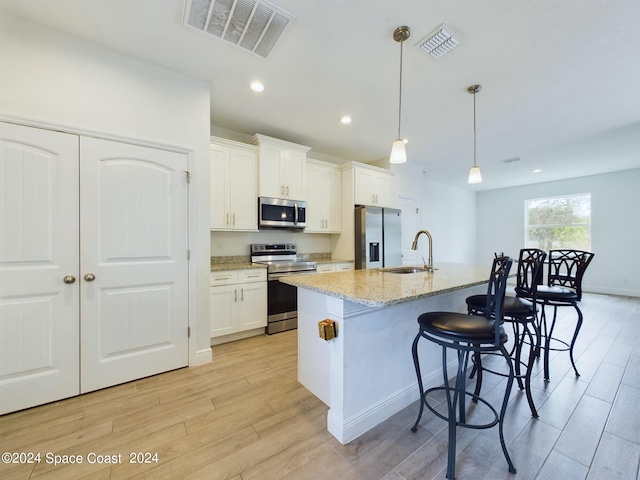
(281, 213)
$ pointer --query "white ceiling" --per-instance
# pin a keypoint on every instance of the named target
(557, 79)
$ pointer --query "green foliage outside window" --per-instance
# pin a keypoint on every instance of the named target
(559, 222)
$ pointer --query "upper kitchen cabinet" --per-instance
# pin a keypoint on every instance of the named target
(234, 185)
(281, 168)
(372, 185)
(324, 198)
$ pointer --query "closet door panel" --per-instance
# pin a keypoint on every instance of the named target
(134, 262)
(39, 242)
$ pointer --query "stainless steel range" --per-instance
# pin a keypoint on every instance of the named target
(281, 260)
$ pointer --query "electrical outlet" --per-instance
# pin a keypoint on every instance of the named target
(219, 245)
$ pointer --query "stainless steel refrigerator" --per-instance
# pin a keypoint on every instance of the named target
(378, 237)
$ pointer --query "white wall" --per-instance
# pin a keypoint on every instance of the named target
(614, 225)
(51, 78)
(237, 243)
(448, 213)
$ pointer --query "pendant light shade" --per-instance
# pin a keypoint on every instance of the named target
(474, 174)
(398, 151)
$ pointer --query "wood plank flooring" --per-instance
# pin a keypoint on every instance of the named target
(245, 417)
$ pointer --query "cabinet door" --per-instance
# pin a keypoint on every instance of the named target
(270, 183)
(219, 182)
(224, 310)
(315, 210)
(253, 305)
(293, 173)
(364, 193)
(39, 243)
(382, 189)
(332, 200)
(243, 184)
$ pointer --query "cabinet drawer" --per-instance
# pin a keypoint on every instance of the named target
(326, 268)
(253, 275)
(224, 277)
(344, 267)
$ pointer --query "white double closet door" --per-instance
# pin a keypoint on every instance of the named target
(93, 264)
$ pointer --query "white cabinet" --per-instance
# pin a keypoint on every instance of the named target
(238, 301)
(372, 186)
(281, 168)
(326, 268)
(234, 186)
(344, 266)
(334, 267)
(324, 198)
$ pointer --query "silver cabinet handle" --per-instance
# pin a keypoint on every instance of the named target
(287, 190)
(227, 219)
(69, 279)
(233, 222)
(235, 295)
(89, 277)
(242, 294)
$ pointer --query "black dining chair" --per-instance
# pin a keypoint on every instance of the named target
(466, 334)
(521, 311)
(566, 269)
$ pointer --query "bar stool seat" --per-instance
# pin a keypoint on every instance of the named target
(514, 307)
(466, 334)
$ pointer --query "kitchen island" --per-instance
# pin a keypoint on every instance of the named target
(366, 374)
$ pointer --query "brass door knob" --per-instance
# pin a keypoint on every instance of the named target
(89, 277)
(69, 279)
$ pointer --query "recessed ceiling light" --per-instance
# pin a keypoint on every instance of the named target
(345, 119)
(257, 86)
(537, 170)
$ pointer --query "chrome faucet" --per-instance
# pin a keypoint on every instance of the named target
(414, 246)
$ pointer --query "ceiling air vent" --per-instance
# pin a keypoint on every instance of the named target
(256, 26)
(439, 42)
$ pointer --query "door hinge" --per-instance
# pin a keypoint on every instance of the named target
(188, 254)
(188, 332)
(188, 173)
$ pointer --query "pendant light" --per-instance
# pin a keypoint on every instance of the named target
(398, 151)
(474, 174)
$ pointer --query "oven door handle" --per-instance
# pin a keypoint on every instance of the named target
(276, 276)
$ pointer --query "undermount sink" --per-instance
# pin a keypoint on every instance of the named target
(406, 270)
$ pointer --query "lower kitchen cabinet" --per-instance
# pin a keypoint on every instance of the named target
(334, 267)
(238, 301)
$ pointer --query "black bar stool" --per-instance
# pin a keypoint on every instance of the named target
(467, 334)
(522, 312)
(563, 289)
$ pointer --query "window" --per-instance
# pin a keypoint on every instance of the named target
(558, 222)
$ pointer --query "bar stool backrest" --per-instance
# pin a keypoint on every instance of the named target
(496, 290)
(530, 265)
(567, 267)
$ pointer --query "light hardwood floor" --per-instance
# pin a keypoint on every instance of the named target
(245, 417)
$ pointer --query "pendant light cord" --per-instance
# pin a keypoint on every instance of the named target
(474, 128)
(400, 93)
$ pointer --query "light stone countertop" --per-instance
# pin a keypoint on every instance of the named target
(218, 267)
(377, 288)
